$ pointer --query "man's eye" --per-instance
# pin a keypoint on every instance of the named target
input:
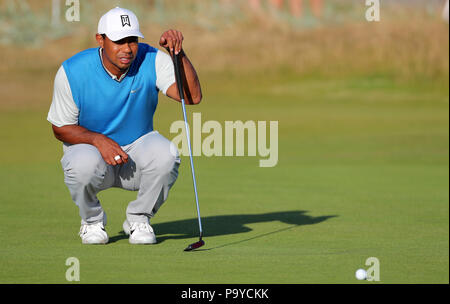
(127, 40)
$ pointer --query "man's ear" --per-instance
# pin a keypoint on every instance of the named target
(100, 40)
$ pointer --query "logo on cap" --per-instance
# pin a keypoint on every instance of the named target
(125, 20)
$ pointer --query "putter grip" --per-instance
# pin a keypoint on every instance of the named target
(176, 62)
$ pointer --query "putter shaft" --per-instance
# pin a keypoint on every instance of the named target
(180, 90)
(192, 167)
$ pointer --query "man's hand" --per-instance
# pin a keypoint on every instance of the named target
(109, 149)
(172, 41)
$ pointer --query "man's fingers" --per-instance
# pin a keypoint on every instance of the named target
(172, 41)
(108, 157)
(178, 47)
(120, 157)
(162, 41)
(116, 157)
(123, 156)
(168, 45)
(180, 42)
(110, 161)
(173, 44)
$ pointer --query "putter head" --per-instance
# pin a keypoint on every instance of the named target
(196, 245)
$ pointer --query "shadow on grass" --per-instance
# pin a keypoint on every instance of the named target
(228, 224)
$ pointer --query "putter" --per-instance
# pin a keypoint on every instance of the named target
(200, 243)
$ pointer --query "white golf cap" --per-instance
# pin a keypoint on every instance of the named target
(119, 23)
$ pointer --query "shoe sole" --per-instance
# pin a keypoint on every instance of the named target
(136, 242)
(97, 243)
(141, 243)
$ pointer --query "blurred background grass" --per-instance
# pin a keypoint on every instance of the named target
(410, 42)
(227, 38)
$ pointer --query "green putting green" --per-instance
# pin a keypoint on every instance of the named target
(362, 172)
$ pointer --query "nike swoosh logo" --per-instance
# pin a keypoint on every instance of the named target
(134, 91)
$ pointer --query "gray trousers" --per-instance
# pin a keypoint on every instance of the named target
(152, 169)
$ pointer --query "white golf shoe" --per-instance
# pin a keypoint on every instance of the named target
(93, 234)
(139, 232)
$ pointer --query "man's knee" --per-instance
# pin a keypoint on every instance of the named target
(164, 162)
(159, 155)
(83, 164)
(167, 163)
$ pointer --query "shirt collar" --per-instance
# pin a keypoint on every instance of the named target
(114, 77)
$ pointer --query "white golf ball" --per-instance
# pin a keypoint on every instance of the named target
(361, 274)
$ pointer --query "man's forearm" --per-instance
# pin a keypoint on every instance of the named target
(191, 83)
(110, 150)
(74, 134)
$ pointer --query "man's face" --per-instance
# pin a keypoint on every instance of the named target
(118, 55)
